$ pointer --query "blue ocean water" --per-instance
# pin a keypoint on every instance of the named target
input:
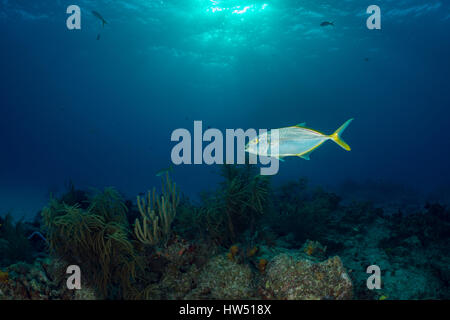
(97, 106)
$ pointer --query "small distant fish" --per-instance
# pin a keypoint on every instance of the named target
(327, 23)
(98, 15)
(98, 36)
(163, 171)
(366, 59)
(297, 141)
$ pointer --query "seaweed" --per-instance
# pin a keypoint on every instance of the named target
(230, 213)
(96, 239)
(14, 244)
(237, 207)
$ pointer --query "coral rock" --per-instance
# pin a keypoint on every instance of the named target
(224, 279)
(293, 278)
(43, 280)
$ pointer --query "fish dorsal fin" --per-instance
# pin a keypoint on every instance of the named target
(300, 124)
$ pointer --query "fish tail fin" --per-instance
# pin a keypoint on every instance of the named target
(336, 136)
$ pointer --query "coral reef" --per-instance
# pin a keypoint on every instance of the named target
(262, 265)
(236, 207)
(314, 249)
(14, 244)
(4, 277)
(245, 240)
(95, 239)
(42, 280)
(157, 212)
(294, 278)
(172, 272)
(224, 279)
(297, 210)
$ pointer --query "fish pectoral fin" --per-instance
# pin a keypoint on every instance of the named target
(304, 156)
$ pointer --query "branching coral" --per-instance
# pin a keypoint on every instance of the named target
(158, 212)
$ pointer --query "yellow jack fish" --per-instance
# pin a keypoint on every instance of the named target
(297, 141)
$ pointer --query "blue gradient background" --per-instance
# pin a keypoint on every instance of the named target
(100, 113)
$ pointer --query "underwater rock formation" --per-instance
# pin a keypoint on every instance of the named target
(294, 278)
(171, 272)
(224, 279)
(43, 280)
(195, 255)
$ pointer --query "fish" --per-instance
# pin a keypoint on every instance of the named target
(163, 171)
(98, 15)
(327, 23)
(98, 36)
(297, 140)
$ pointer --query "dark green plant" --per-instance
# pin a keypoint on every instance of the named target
(14, 244)
(187, 221)
(74, 196)
(237, 206)
(96, 239)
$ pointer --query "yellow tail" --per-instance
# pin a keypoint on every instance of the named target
(336, 136)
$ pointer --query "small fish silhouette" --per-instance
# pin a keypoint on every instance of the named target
(327, 23)
(98, 15)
